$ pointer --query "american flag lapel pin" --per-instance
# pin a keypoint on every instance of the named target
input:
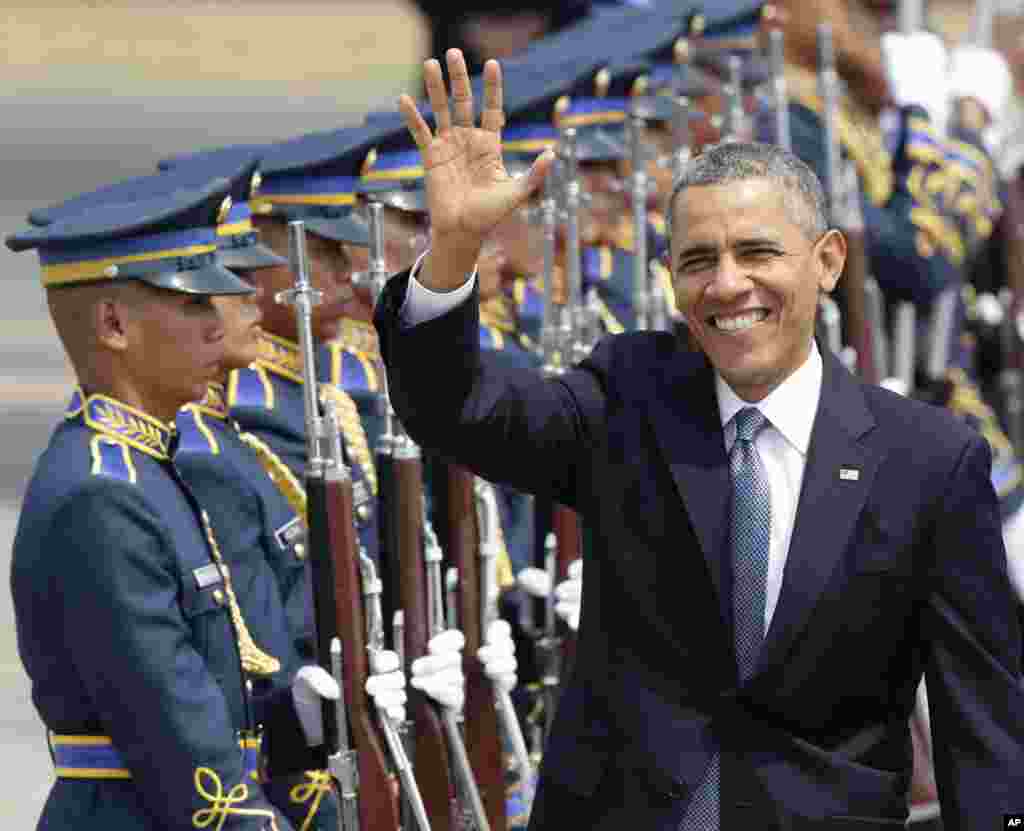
(849, 474)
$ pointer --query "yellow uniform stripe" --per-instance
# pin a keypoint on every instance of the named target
(88, 270)
(234, 228)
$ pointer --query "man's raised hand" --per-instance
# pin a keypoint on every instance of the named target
(468, 189)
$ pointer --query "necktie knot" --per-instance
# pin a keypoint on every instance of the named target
(749, 422)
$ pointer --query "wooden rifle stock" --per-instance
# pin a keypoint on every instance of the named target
(482, 728)
(378, 791)
(856, 321)
(565, 524)
(430, 749)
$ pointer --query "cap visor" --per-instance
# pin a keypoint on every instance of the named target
(411, 201)
(340, 229)
(599, 147)
(249, 257)
(211, 279)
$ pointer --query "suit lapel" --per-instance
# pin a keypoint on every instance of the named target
(836, 482)
(684, 415)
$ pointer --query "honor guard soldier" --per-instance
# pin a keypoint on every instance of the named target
(310, 178)
(137, 649)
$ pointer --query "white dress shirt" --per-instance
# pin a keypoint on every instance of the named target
(782, 444)
(421, 304)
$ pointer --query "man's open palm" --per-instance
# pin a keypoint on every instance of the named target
(468, 189)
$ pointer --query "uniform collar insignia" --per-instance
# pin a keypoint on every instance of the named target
(357, 335)
(74, 407)
(281, 356)
(215, 402)
(132, 427)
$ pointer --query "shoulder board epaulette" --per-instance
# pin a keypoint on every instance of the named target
(861, 137)
(491, 337)
(598, 262)
(250, 388)
(195, 436)
(353, 370)
(113, 458)
(75, 405)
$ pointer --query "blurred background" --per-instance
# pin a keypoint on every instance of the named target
(92, 92)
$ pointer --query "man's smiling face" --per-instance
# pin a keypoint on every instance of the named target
(747, 276)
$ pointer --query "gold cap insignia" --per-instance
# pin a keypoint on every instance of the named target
(681, 50)
(640, 85)
(225, 209)
(255, 183)
(368, 162)
(561, 106)
(697, 24)
(602, 81)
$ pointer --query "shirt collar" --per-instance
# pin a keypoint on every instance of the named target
(790, 407)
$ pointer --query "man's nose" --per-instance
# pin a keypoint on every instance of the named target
(730, 279)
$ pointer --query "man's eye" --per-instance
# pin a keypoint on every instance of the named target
(696, 264)
(761, 253)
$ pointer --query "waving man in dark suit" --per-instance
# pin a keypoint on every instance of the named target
(781, 551)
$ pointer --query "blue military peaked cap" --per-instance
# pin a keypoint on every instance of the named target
(169, 242)
(237, 240)
(210, 153)
(237, 243)
(313, 178)
(392, 172)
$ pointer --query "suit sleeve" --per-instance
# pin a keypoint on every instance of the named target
(973, 663)
(136, 657)
(508, 424)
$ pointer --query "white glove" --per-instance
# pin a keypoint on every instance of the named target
(439, 673)
(310, 686)
(568, 593)
(984, 74)
(915, 67)
(499, 655)
(387, 684)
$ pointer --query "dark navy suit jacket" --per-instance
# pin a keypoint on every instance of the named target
(896, 567)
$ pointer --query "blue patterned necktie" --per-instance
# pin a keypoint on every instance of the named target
(750, 518)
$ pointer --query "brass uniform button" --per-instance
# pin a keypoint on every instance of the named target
(218, 597)
(300, 551)
(362, 513)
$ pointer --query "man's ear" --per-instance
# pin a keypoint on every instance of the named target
(110, 321)
(829, 259)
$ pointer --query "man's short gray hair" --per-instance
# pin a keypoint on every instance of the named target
(720, 164)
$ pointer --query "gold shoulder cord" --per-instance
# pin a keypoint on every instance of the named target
(352, 429)
(254, 660)
(278, 472)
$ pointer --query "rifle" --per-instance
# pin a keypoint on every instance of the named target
(904, 345)
(400, 478)
(482, 749)
(780, 97)
(489, 523)
(581, 326)
(332, 545)
(641, 290)
(841, 180)
(940, 335)
(875, 307)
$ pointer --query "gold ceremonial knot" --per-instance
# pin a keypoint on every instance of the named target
(320, 783)
(210, 788)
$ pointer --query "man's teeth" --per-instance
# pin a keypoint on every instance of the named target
(735, 323)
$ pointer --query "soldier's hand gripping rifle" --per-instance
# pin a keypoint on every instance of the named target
(845, 214)
(489, 522)
(462, 535)
(337, 611)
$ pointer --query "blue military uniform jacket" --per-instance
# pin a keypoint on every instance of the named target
(262, 538)
(266, 399)
(125, 629)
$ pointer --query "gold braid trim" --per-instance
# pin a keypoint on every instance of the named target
(223, 806)
(319, 784)
(352, 429)
(254, 660)
(278, 472)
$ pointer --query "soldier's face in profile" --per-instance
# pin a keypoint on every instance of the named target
(406, 236)
(607, 203)
(331, 265)
(241, 316)
(747, 278)
(172, 342)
